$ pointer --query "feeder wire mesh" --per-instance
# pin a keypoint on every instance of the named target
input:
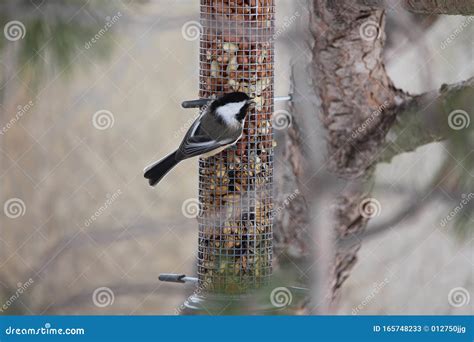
(235, 186)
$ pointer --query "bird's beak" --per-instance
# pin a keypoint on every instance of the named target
(250, 102)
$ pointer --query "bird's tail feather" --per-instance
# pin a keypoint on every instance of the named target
(156, 171)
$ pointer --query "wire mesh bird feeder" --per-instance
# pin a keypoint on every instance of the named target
(235, 186)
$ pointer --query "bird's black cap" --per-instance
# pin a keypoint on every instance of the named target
(236, 96)
(233, 97)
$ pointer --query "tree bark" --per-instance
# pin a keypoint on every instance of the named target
(351, 81)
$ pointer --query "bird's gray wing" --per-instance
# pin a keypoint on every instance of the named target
(198, 139)
(200, 144)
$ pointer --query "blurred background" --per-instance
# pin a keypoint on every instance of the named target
(90, 93)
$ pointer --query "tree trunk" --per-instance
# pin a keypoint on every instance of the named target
(359, 107)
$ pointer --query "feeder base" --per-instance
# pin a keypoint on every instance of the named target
(220, 304)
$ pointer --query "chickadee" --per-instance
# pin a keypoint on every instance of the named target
(217, 128)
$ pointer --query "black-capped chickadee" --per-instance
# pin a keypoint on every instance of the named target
(218, 127)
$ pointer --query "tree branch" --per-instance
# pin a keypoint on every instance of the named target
(454, 7)
(424, 118)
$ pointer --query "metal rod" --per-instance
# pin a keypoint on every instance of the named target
(194, 103)
(177, 278)
(203, 102)
(299, 290)
(282, 98)
(193, 280)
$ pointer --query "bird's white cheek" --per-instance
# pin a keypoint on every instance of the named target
(229, 112)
